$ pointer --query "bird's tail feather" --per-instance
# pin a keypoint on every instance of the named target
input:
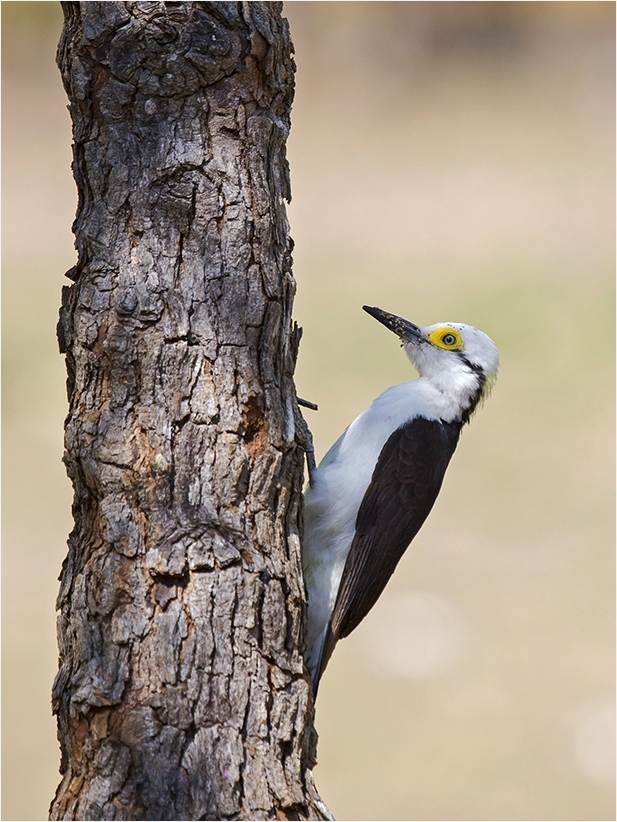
(319, 655)
(313, 660)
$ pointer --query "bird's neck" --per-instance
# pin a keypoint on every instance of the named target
(453, 395)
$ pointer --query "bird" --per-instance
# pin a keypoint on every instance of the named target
(369, 496)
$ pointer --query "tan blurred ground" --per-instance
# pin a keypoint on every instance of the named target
(449, 161)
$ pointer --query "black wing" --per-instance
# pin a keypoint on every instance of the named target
(402, 491)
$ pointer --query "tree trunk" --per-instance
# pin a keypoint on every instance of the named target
(181, 692)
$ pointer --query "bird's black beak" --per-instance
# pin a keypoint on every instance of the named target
(408, 332)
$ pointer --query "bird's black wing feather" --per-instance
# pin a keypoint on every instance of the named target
(402, 491)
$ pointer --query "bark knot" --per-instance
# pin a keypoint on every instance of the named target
(255, 431)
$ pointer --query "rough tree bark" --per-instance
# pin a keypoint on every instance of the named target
(181, 692)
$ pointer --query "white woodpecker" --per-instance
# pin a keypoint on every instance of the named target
(371, 493)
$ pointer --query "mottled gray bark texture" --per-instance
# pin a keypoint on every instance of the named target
(181, 692)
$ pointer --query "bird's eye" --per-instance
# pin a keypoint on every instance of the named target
(447, 338)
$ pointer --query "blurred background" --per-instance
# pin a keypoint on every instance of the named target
(449, 161)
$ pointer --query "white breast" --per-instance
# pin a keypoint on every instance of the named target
(340, 482)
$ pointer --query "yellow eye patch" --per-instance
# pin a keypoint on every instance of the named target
(446, 338)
